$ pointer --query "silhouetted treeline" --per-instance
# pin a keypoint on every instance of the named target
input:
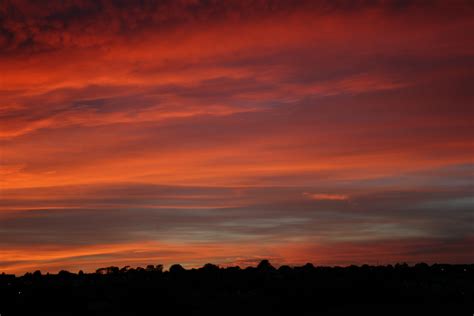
(263, 290)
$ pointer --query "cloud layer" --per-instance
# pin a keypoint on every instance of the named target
(196, 131)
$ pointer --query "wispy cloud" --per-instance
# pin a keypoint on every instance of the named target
(326, 196)
(278, 123)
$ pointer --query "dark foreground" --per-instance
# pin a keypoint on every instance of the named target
(264, 290)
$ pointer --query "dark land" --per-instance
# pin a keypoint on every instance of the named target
(422, 289)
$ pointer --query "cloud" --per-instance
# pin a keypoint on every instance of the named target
(326, 196)
(141, 130)
(126, 212)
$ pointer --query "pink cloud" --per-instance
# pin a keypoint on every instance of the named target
(326, 196)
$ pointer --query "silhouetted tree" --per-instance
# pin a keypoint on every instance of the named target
(265, 265)
(176, 268)
(64, 274)
(422, 289)
(284, 269)
(308, 266)
(150, 268)
(108, 270)
(159, 268)
(209, 267)
(101, 271)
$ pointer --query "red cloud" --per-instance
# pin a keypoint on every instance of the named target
(339, 100)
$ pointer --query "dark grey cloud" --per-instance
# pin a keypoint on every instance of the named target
(117, 213)
(38, 26)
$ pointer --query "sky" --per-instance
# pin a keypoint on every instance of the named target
(161, 132)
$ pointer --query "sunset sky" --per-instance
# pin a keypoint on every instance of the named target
(148, 132)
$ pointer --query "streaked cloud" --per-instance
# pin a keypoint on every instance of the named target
(194, 132)
(326, 196)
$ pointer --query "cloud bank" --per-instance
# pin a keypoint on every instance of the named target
(195, 131)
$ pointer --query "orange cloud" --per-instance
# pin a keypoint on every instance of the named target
(235, 108)
(326, 196)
